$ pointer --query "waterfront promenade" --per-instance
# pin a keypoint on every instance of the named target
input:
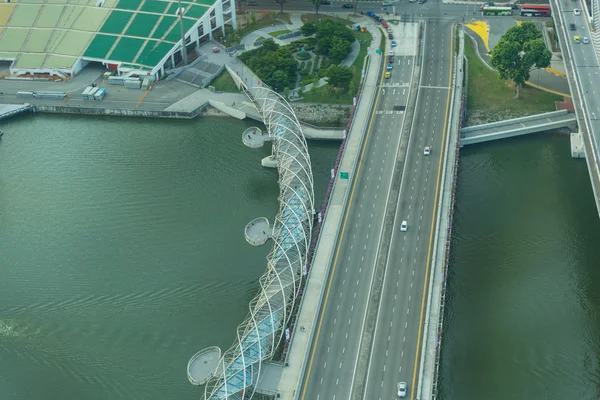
(305, 327)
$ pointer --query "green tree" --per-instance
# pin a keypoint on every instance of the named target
(339, 76)
(308, 29)
(317, 4)
(519, 50)
(252, 18)
(339, 50)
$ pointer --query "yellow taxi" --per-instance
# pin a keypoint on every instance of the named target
(576, 39)
(388, 74)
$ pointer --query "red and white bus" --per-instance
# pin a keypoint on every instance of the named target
(535, 10)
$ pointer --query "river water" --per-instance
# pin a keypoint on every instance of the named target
(122, 253)
(122, 250)
(523, 300)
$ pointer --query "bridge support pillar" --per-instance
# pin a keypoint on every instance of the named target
(577, 150)
(269, 162)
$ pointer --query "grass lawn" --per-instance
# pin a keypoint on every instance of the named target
(266, 20)
(318, 17)
(281, 32)
(224, 83)
(487, 92)
(325, 94)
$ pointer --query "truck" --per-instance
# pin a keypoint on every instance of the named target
(100, 94)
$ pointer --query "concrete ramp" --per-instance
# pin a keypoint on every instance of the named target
(226, 109)
(517, 127)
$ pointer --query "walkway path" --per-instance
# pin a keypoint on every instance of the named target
(541, 79)
(301, 338)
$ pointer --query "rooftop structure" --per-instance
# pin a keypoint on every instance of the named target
(139, 37)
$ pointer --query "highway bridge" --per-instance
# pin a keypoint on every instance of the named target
(517, 127)
(583, 71)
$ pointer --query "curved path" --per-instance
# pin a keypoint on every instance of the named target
(263, 330)
(540, 79)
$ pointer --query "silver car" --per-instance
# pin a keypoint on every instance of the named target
(585, 40)
(402, 389)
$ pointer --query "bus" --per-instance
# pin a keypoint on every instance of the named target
(535, 10)
(493, 10)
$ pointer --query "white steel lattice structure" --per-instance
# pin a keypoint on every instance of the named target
(261, 332)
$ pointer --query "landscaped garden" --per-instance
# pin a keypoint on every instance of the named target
(325, 45)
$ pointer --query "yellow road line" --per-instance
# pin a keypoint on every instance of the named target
(337, 251)
(547, 90)
(437, 187)
(144, 96)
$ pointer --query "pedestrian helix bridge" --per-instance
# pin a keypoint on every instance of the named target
(234, 374)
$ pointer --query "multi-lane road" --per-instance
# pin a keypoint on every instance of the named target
(333, 358)
(397, 341)
(587, 73)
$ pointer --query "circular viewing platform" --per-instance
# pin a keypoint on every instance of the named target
(258, 231)
(253, 137)
(202, 366)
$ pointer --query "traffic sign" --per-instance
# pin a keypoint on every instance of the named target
(343, 175)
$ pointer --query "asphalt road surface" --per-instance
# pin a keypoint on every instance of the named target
(333, 357)
(430, 9)
(586, 63)
(397, 342)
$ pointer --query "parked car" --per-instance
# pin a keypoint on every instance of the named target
(388, 75)
(347, 5)
(390, 66)
(387, 3)
(325, 2)
(390, 59)
(393, 43)
(384, 24)
(422, 1)
(390, 36)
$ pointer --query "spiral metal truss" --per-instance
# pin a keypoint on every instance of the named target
(261, 332)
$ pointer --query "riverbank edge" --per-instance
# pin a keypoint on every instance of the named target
(205, 110)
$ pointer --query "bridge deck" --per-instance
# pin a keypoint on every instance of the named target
(516, 127)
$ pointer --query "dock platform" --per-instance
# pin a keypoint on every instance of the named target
(8, 110)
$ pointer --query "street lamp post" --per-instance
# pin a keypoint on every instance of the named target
(183, 48)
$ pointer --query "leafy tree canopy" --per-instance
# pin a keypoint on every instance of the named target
(519, 50)
(274, 64)
(330, 35)
(339, 76)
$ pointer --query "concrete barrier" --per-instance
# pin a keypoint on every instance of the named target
(517, 132)
(119, 112)
(513, 121)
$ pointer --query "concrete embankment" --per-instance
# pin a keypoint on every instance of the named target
(120, 112)
(430, 355)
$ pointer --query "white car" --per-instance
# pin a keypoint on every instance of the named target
(391, 53)
(427, 151)
(387, 3)
(402, 389)
(576, 11)
(403, 227)
(585, 40)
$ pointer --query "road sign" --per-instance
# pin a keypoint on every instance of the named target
(378, 51)
(343, 175)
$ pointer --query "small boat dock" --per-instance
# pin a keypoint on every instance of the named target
(8, 110)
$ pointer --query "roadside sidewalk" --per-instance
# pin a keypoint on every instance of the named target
(299, 351)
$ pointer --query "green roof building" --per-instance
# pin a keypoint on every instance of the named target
(134, 37)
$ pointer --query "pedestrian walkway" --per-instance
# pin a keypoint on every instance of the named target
(540, 79)
(304, 329)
